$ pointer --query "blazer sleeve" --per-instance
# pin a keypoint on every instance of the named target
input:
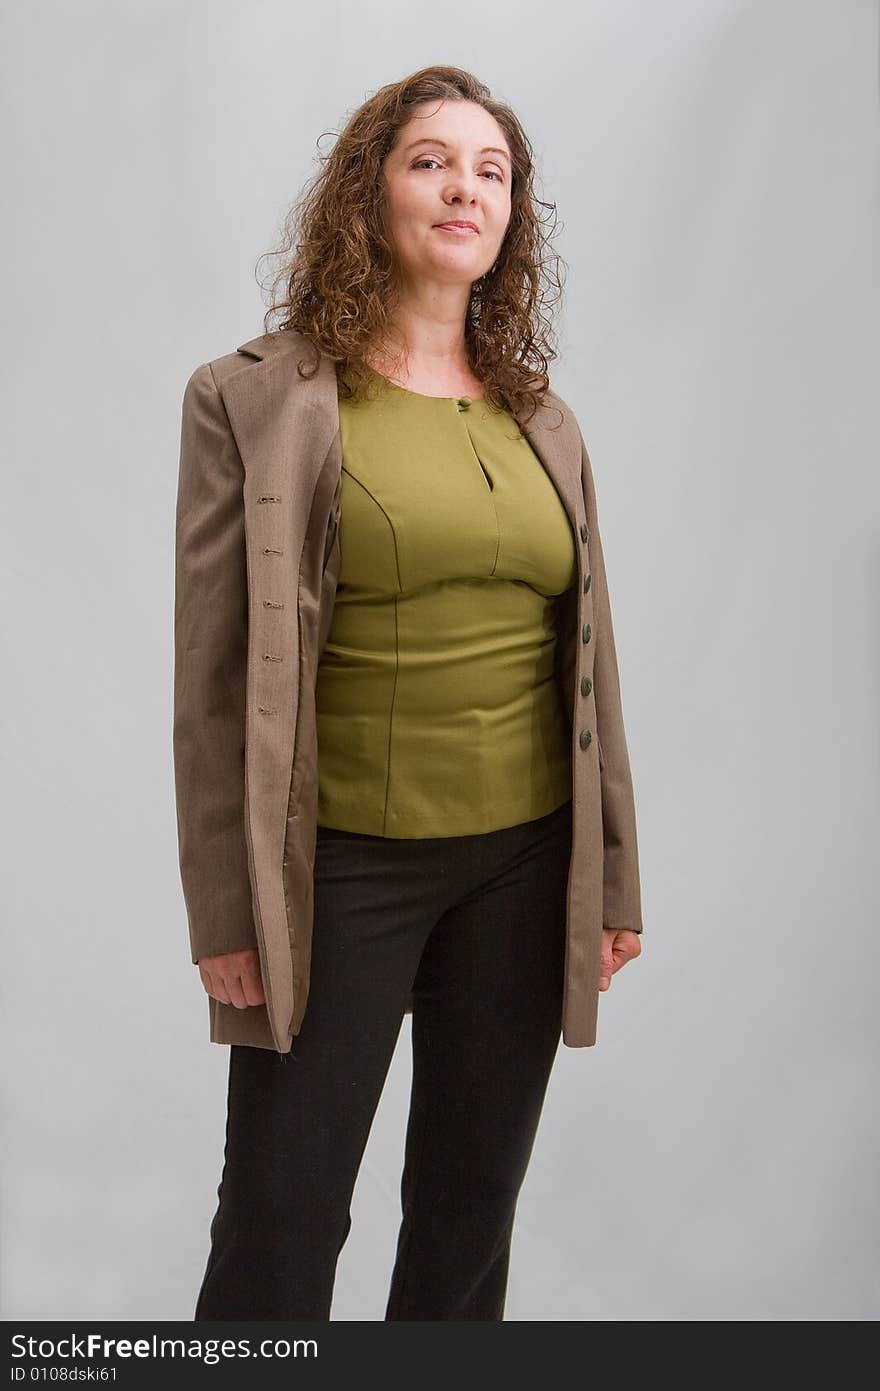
(622, 907)
(210, 676)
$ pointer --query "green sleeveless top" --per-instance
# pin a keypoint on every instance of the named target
(438, 712)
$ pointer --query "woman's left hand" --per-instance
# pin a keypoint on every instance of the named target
(618, 947)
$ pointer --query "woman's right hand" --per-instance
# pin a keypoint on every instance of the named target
(233, 978)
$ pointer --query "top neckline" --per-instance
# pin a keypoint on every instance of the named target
(459, 400)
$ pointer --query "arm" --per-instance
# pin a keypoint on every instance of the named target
(621, 890)
(210, 669)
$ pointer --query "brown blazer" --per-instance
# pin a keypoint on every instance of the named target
(256, 567)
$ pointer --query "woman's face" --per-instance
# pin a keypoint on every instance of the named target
(450, 164)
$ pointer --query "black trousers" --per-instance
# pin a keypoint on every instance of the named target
(475, 927)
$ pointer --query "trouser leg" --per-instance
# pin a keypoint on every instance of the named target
(298, 1123)
(486, 1027)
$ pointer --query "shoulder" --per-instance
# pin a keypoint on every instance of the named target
(552, 398)
(556, 415)
(266, 346)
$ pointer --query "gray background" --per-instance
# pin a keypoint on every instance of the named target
(715, 167)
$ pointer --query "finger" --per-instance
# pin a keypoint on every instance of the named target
(606, 964)
(252, 984)
(626, 947)
(213, 983)
(235, 990)
(218, 990)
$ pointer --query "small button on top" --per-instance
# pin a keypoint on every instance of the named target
(586, 738)
(463, 402)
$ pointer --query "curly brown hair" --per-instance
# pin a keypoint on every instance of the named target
(336, 282)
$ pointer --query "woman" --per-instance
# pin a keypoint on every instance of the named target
(387, 550)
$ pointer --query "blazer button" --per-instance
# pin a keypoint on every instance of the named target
(587, 632)
(585, 531)
(587, 579)
(586, 685)
(586, 738)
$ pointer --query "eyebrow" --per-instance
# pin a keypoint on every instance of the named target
(430, 140)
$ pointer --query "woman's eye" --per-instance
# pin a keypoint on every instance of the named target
(430, 160)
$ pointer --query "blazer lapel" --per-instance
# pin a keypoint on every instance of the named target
(557, 444)
(284, 426)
